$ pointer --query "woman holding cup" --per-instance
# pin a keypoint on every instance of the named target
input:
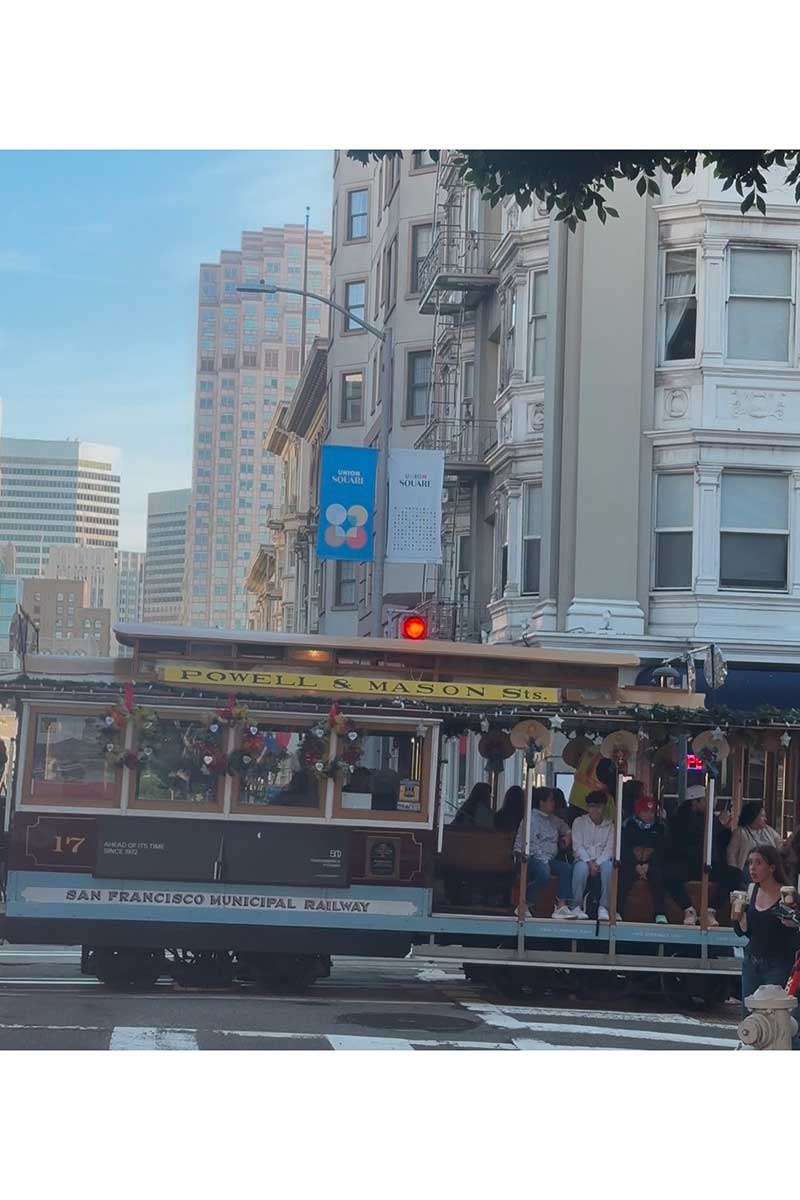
(773, 939)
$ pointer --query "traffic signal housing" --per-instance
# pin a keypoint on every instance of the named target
(413, 627)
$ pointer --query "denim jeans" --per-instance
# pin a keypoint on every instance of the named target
(756, 971)
(539, 873)
(580, 878)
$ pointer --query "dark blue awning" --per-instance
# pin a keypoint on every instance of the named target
(747, 686)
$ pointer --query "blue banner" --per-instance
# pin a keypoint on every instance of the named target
(346, 503)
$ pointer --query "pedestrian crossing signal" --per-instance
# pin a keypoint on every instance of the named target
(413, 627)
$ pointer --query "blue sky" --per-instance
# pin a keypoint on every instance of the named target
(99, 257)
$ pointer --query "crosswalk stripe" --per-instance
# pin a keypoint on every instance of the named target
(596, 1014)
(611, 1031)
(132, 1037)
(368, 1043)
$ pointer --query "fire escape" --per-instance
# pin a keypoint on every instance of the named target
(454, 278)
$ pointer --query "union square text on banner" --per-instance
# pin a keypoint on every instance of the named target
(346, 503)
(416, 478)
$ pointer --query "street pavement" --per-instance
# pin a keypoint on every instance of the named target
(367, 1004)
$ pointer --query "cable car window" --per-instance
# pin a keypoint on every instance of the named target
(385, 774)
(182, 765)
(280, 768)
(72, 764)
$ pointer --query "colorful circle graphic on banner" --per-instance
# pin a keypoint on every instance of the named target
(345, 526)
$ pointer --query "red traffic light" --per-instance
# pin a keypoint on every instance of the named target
(414, 627)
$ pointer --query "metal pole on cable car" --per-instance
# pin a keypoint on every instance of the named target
(612, 912)
(708, 843)
(522, 906)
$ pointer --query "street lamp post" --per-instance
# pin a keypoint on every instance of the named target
(382, 506)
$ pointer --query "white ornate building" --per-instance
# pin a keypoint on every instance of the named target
(620, 411)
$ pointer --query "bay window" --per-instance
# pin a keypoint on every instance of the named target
(531, 538)
(680, 304)
(674, 530)
(760, 301)
(537, 324)
(754, 532)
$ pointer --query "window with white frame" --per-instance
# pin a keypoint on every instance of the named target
(760, 303)
(537, 324)
(510, 320)
(420, 159)
(344, 584)
(421, 237)
(680, 304)
(352, 404)
(355, 301)
(674, 494)
(754, 531)
(417, 382)
(531, 537)
(357, 215)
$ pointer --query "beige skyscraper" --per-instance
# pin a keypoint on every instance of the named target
(248, 360)
(57, 493)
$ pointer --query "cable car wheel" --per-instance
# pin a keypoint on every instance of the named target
(202, 968)
(127, 967)
(283, 972)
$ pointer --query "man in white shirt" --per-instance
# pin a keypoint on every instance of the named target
(593, 854)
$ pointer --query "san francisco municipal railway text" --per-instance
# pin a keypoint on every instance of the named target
(215, 900)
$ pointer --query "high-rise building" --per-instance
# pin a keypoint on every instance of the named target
(67, 623)
(165, 559)
(56, 493)
(130, 593)
(249, 357)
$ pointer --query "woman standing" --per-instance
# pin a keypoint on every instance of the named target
(772, 940)
(752, 832)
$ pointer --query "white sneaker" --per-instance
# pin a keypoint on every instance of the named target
(712, 918)
(562, 912)
(579, 914)
(602, 914)
(690, 916)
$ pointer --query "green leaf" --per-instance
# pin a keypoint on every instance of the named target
(601, 212)
(641, 186)
(761, 204)
(748, 202)
(612, 212)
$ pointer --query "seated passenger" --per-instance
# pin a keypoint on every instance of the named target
(685, 852)
(593, 852)
(751, 832)
(509, 816)
(476, 811)
(546, 831)
(642, 855)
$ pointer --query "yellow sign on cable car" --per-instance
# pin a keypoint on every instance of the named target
(360, 685)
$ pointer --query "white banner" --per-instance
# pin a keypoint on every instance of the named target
(416, 479)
